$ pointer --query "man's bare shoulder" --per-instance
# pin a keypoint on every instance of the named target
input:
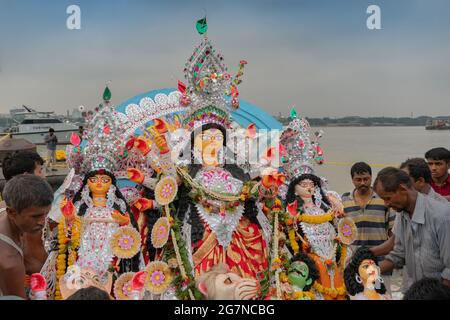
(9, 256)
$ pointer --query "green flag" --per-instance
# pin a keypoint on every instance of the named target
(202, 26)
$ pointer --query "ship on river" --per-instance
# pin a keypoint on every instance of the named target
(438, 124)
(33, 125)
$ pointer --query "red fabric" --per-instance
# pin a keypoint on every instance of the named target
(443, 190)
(252, 261)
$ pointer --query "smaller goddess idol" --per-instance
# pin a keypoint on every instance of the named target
(362, 277)
(96, 233)
(314, 213)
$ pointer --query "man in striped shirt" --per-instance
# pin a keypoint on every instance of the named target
(372, 218)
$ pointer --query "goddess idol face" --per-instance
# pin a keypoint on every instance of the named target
(209, 143)
(305, 189)
(368, 272)
(99, 184)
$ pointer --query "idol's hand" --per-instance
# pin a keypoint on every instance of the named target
(161, 143)
(135, 175)
(144, 204)
(121, 219)
(67, 209)
(142, 146)
(338, 208)
(336, 204)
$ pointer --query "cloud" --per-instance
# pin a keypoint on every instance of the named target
(317, 56)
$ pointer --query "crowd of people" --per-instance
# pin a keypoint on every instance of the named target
(409, 228)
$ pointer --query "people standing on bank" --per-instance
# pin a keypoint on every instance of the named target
(372, 218)
(51, 140)
(28, 200)
(422, 233)
(421, 176)
(439, 162)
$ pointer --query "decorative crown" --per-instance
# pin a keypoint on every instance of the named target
(104, 144)
(302, 148)
(210, 91)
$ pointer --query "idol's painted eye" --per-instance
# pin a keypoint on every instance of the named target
(227, 280)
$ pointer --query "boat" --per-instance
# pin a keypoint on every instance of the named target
(33, 125)
(438, 124)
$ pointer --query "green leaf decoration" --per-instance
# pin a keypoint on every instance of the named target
(202, 26)
(107, 94)
(293, 114)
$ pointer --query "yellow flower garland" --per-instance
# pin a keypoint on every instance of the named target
(329, 291)
(297, 295)
(61, 260)
(316, 219)
(294, 245)
(343, 255)
(74, 241)
(65, 253)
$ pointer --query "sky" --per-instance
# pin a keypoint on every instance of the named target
(316, 55)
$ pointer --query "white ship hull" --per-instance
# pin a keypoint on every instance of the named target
(38, 137)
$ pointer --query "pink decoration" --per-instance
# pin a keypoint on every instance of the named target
(138, 281)
(181, 87)
(292, 209)
(75, 139)
(37, 282)
(185, 100)
(162, 232)
(251, 131)
(235, 103)
(319, 151)
(157, 278)
(126, 242)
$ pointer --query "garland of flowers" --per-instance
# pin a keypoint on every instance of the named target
(215, 195)
(61, 260)
(274, 208)
(343, 255)
(275, 249)
(177, 254)
(300, 295)
(182, 285)
(294, 245)
(329, 291)
(74, 241)
(316, 219)
(68, 242)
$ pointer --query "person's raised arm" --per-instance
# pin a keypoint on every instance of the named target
(384, 248)
(386, 266)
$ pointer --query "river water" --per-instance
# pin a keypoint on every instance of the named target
(378, 146)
